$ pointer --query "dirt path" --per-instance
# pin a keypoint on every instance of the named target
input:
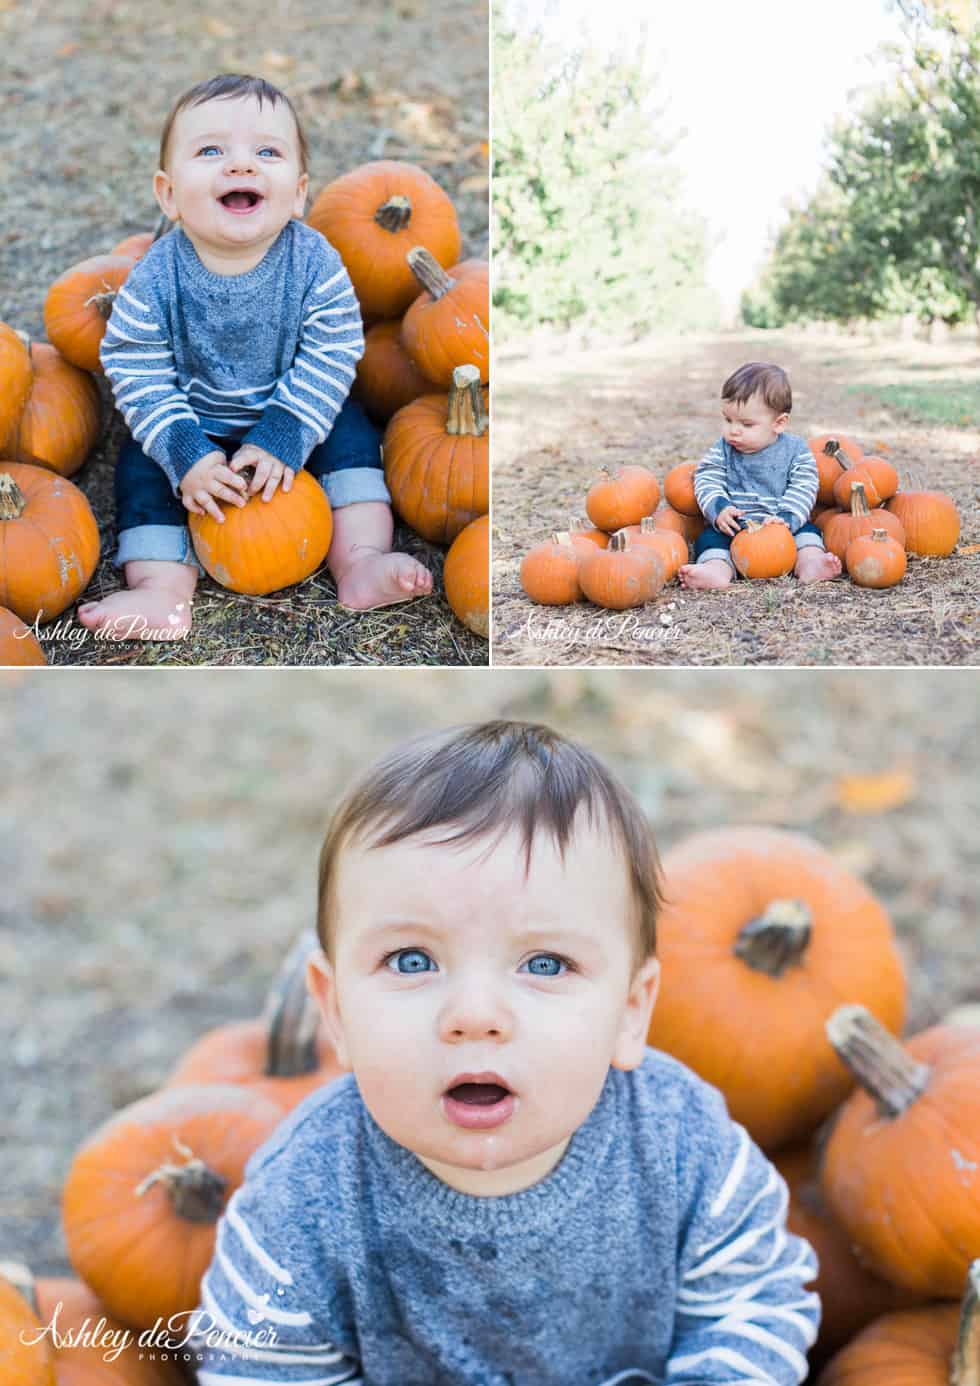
(558, 417)
(85, 88)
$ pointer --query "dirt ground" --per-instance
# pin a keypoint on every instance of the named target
(159, 835)
(85, 86)
(561, 414)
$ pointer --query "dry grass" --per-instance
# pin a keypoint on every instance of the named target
(559, 416)
(85, 88)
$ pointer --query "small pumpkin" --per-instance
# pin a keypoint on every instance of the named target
(687, 526)
(144, 1194)
(845, 525)
(23, 1364)
(135, 246)
(373, 216)
(901, 1169)
(449, 324)
(549, 571)
(16, 379)
(875, 560)
(621, 576)
(264, 546)
(832, 453)
(670, 546)
(78, 306)
(883, 474)
(59, 425)
(437, 459)
(387, 377)
(848, 479)
(679, 489)
(623, 497)
(49, 542)
(930, 519)
(583, 535)
(18, 645)
(763, 550)
(761, 933)
(466, 576)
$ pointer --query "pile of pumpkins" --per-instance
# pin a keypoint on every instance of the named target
(424, 370)
(633, 548)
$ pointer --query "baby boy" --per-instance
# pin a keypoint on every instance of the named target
(509, 1188)
(756, 471)
(233, 343)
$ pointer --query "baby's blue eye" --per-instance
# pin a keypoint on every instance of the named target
(408, 961)
(546, 965)
(267, 149)
(207, 147)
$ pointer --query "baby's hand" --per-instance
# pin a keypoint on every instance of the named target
(208, 481)
(269, 471)
(727, 520)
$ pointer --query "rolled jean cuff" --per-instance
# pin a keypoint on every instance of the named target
(709, 555)
(351, 485)
(806, 539)
(167, 543)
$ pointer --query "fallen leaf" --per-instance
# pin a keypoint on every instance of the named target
(967, 548)
(875, 793)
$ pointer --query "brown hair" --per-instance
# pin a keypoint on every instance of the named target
(230, 85)
(483, 780)
(771, 382)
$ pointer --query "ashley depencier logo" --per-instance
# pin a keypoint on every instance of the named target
(184, 1333)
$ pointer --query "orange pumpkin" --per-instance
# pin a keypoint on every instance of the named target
(687, 526)
(934, 1346)
(762, 933)
(49, 542)
(266, 545)
(763, 550)
(134, 246)
(18, 645)
(583, 535)
(883, 474)
(875, 560)
(832, 453)
(59, 425)
(466, 576)
(22, 1364)
(16, 379)
(144, 1194)
(78, 306)
(679, 489)
(373, 216)
(844, 525)
(449, 324)
(621, 576)
(845, 483)
(670, 546)
(387, 377)
(622, 497)
(437, 459)
(549, 571)
(901, 1169)
(930, 520)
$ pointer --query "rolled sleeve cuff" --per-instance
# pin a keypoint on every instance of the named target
(281, 434)
(185, 443)
(167, 543)
(715, 507)
(351, 485)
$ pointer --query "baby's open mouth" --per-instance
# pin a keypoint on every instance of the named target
(240, 201)
(475, 1105)
(478, 1094)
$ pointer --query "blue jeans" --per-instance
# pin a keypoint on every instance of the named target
(711, 543)
(152, 521)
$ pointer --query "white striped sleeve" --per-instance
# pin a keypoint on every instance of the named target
(711, 483)
(742, 1315)
(801, 490)
(254, 1321)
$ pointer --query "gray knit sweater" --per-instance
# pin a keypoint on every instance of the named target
(266, 357)
(655, 1251)
(779, 480)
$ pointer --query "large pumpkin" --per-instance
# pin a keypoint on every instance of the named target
(49, 542)
(763, 934)
(449, 324)
(387, 377)
(437, 459)
(763, 551)
(667, 544)
(843, 526)
(466, 576)
(901, 1170)
(18, 644)
(16, 379)
(549, 571)
(22, 1364)
(621, 498)
(264, 546)
(930, 520)
(144, 1194)
(621, 575)
(59, 424)
(78, 306)
(373, 216)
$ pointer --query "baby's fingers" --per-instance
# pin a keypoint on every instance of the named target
(271, 487)
(209, 505)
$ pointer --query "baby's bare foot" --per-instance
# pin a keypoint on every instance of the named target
(713, 573)
(816, 565)
(139, 613)
(382, 579)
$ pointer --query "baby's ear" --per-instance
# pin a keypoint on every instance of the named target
(631, 1042)
(163, 191)
(780, 422)
(321, 982)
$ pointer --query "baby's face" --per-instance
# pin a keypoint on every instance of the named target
(752, 425)
(233, 175)
(480, 1008)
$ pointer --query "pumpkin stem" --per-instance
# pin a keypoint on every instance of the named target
(832, 448)
(196, 1192)
(429, 272)
(648, 525)
(466, 411)
(966, 1358)
(23, 1281)
(879, 535)
(618, 542)
(395, 214)
(12, 498)
(776, 940)
(877, 1060)
(859, 499)
(292, 1015)
(562, 538)
(104, 301)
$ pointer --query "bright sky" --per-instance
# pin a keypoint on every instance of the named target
(756, 84)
